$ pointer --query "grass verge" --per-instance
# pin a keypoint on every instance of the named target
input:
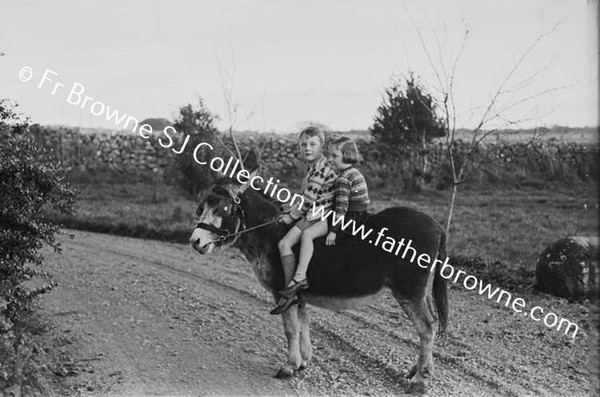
(41, 359)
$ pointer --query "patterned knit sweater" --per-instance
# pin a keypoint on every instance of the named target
(317, 188)
(351, 194)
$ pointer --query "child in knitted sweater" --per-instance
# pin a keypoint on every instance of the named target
(351, 203)
(317, 190)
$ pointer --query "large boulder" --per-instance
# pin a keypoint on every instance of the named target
(569, 268)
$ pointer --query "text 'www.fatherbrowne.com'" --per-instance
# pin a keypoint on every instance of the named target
(404, 249)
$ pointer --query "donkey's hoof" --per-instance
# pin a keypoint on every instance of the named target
(412, 372)
(302, 367)
(416, 388)
(284, 373)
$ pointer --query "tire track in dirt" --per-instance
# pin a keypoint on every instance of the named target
(192, 363)
(369, 364)
(438, 355)
(392, 377)
(364, 352)
(94, 249)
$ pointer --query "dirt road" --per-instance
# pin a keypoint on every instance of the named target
(150, 318)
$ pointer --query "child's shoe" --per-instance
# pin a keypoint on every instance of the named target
(291, 290)
(283, 304)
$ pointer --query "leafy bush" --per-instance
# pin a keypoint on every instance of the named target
(30, 180)
(196, 126)
(405, 122)
(407, 115)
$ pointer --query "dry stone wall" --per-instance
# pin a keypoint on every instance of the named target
(102, 150)
(130, 152)
(126, 151)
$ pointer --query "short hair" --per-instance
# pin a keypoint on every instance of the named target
(347, 146)
(313, 131)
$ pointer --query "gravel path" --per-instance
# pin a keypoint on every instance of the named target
(152, 318)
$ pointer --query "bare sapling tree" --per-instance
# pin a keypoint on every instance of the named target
(232, 108)
(507, 96)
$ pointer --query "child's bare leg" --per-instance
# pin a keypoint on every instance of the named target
(291, 238)
(319, 229)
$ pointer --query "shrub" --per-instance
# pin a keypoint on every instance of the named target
(405, 122)
(195, 126)
(30, 180)
(407, 115)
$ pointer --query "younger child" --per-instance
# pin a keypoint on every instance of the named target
(351, 202)
(317, 188)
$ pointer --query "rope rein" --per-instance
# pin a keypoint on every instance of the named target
(223, 233)
(220, 238)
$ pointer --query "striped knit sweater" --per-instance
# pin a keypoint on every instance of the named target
(317, 187)
(350, 191)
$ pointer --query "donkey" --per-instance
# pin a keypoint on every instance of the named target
(346, 277)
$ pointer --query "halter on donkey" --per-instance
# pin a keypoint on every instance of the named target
(342, 278)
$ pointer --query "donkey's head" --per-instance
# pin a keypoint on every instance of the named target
(221, 217)
(220, 212)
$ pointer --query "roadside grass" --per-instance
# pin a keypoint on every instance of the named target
(496, 234)
(131, 206)
(42, 360)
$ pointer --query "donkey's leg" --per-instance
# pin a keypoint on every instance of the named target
(305, 345)
(291, 326)
(425, 323)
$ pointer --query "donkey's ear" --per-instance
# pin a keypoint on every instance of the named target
(217, 174)
(242, 188)
(251, 161)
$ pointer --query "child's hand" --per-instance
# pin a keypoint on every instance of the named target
(286, 218)
(330, 240)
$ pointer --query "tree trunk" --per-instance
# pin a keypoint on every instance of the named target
(424, 157)
(450, 210)
(156, 183)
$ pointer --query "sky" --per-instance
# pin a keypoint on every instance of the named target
(270, 65)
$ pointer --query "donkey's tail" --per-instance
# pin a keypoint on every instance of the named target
(440, 294)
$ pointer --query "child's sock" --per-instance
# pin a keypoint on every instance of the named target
(288, 262)
(300, 272)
